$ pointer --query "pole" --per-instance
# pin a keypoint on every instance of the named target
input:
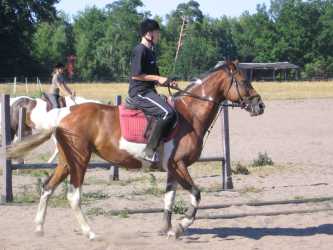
(20, 131)
(226, 166)
(26, 86)
(14, 87)
(7, 191)
(114, 169)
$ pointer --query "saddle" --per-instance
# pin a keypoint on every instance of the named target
(47, 98)
(136, 126)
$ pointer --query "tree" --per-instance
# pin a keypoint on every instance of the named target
(121, 35)
(89, 30)
(18, 22)
(52, 43)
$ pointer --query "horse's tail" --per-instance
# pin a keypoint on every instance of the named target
(22, 148)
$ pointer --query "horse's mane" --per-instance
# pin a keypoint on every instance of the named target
(198, 80)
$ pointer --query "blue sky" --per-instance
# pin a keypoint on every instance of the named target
(214, 8)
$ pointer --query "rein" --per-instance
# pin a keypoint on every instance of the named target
(203, 98)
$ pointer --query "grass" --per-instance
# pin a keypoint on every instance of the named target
(294, 90)
(269, 90)
(249, 189)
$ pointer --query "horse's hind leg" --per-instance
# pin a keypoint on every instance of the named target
(74, 198)
(49, 186)
(56, 151)
(180, 172)
(78, 159)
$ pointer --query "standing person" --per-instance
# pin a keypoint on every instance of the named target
(144, 76)
(58, 85)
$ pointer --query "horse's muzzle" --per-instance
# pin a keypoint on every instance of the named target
(255, 106)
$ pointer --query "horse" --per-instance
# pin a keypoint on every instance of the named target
(95, 128)
(39, 114)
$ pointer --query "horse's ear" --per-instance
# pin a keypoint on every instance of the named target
(236, 62)
(231, 66)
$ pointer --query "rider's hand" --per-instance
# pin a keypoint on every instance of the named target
(72, 96)
(173, 84)
(162, 80)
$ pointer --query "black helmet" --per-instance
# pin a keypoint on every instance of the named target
(148, 25)
(59, 66)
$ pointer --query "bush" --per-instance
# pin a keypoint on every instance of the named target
(262, 160)
(240, 169)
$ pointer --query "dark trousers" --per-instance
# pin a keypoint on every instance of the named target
(54, 100)
(154, 105)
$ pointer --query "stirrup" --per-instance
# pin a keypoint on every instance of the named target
(155, 157)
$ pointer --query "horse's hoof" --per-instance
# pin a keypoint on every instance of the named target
(39, 233)
(164, 230)
(179, 231)
(171, 234)
(91, 236)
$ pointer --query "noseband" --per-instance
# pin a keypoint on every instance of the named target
(243, 101)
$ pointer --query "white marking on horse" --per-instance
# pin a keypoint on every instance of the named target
(41, 211)
(135, 149)
(169, 200)
(74, 198)
(45, 120)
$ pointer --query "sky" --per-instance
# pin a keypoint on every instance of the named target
(214, 8)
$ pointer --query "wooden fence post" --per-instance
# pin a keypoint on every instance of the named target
(226, 166)
(7, 191)
(114, 169)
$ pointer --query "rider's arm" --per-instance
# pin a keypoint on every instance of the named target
(148, 78)
(59, 81)
(64, 89)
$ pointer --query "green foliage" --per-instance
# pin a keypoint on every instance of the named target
(33, 37)
(18, 22)
(262, 160)
(180, 207)
(52, 43)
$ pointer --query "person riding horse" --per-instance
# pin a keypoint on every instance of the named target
(142, 92)
(58, 85)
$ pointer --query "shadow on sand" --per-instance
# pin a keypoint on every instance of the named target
(257, 233)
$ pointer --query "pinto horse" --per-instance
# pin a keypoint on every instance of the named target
(96, 128)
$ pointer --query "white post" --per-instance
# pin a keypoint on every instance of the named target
(26, 86)
(14, 87)
(39, 85)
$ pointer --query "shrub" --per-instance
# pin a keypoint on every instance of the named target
(262, 160)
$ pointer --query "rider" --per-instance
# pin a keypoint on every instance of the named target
(58, 85)
(142, 92)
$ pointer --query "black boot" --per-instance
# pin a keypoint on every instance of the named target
(155, 137)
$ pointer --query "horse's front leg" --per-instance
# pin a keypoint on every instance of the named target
(180, 173)
(169, 200)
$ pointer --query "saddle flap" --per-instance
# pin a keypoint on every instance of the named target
(136, 126)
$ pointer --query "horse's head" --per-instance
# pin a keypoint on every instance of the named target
(240, 90)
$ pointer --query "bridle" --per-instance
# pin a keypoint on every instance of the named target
(241, 104)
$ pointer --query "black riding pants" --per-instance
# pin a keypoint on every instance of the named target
(54, 100)
(154, 105)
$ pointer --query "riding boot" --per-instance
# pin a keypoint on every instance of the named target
(150, 153)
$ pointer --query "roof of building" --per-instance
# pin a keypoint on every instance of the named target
(267, 66)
